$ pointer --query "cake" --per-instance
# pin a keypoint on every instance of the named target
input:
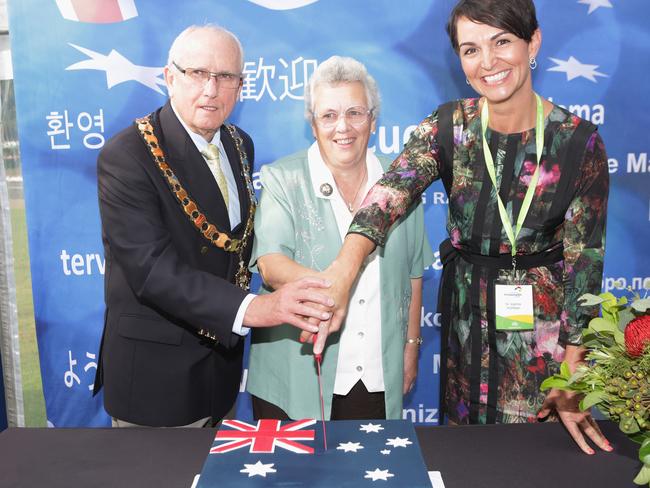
(292, 453)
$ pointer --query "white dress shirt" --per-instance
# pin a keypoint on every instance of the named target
(360, 352)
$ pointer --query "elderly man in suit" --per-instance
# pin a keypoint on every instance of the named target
(177, 205)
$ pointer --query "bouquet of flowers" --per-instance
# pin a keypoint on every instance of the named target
(616, 378)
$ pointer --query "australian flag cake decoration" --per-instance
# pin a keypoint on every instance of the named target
(291, 453)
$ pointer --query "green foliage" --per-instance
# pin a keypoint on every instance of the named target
(641, 306)
(643, 478)
(612, 381)
(644, 452)
(591, 399)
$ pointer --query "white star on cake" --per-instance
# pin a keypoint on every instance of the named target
(379, 474)
(398, 442)
(258, 469)
(385, 451)
(350, 446)
(367, 428)
(594, 4)
(574, 69)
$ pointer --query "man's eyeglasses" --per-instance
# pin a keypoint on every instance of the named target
(355, 116)
(201, 77)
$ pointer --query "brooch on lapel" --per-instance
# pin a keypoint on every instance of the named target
(326, 189)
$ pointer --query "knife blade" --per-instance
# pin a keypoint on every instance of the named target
(318, 358)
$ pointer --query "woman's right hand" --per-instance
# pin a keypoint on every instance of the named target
(339, 291)
(341, 274)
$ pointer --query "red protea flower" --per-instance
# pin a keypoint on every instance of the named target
(637, 335)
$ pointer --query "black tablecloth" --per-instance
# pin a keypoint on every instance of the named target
(526, 456)
(522, 456)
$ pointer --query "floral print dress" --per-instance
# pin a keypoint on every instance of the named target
(493, 376)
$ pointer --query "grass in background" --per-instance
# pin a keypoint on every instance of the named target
(29, 362)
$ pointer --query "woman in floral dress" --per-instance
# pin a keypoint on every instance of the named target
(494, 375)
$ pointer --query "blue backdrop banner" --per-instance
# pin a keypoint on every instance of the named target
(84, 69)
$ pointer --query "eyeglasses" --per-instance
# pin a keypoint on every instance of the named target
(201, 77)
(355, 116)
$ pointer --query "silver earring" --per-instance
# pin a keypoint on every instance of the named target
(466, 81)
(532, 63)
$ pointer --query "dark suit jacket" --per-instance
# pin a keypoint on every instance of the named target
(164, 282)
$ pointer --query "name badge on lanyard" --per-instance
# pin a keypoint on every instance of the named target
(514, 307)
(513, 300)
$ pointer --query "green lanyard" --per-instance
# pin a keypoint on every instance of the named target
(489, 163)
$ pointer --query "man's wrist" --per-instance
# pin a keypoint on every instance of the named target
(239, 326)
(416, 341)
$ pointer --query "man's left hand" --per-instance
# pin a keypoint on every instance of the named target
(293, 304)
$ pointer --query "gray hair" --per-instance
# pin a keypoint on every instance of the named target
(179, 43)
(338, 69)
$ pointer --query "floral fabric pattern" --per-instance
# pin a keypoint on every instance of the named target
(568, 209)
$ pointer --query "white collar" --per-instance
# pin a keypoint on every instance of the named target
(198, 140)
(321, 176)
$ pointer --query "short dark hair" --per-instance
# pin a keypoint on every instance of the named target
(515, 16)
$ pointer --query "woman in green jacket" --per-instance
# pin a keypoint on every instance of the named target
(307, 204)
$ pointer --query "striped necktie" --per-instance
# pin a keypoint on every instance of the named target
(211, 155)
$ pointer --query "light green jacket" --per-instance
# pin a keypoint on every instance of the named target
(292, 220)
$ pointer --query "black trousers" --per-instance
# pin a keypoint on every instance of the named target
(358, 404)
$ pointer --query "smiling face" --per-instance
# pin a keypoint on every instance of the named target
(344, 144)
(204, 107)
(496, 62)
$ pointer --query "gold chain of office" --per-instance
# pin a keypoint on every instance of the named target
(209, 231)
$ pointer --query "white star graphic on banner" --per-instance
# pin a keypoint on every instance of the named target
(594, 4)
(119, 69)
(367, 428)
(379, 474)
(258, 469)
(574, 69)
(398, 442)
(385, 451)
(350, 446)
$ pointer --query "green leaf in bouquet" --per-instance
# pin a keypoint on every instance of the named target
(639, 437)
(555, 381)
(608, 298)
(628, 425)
(610, 307)
(575, 377)
(588, 335)
(625, 316)
(641, 305)
(644, 451)
(594, 340)
(591, 399)
(589, 300)
(602, 325)
(565, 372)
(643, 478)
